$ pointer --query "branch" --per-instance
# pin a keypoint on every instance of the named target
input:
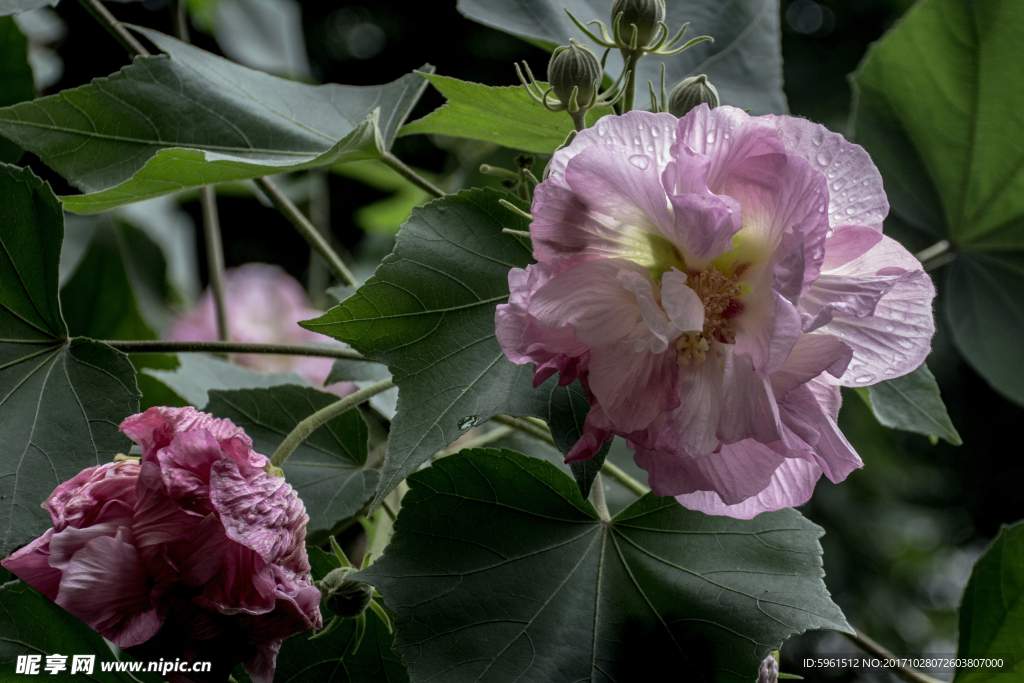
(115, 27)
(393, 162)
(307, 230)
(322, 417)
(162, 346)
(215, 259)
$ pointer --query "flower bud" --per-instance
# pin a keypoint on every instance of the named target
(769, 671)
(692, 92)
(345, 597)
(644, 14)
(575, 66)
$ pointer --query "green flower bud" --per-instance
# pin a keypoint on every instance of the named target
(575, 66)
(692, 92)
(644, 14)
(345, 597)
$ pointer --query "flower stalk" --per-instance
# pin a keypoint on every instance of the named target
(322, 417)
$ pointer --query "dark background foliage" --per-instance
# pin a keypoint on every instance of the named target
(902, 533)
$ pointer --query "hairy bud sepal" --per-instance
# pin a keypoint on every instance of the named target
(690, 93)
(343, 596)
(646, 15)
(574, 67)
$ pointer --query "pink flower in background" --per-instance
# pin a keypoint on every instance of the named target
(193, 551)
(265, 305)
(713, 281)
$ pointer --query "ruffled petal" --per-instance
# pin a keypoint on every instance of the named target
(856, 196)
(106, 585)
(812, 355)
(683, 306)
(633, 388)
(896, 338)
(735, 473)
(692, 427)
(791, 485)
(727, 136)
(748, 405)
(809, 432)
(31, 564)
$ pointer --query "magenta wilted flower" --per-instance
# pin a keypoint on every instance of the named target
(713, 280)
(194, 551)
(265, 305)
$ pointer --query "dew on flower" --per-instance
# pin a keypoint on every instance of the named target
(816, 140)
(823, 159)
(641, 161)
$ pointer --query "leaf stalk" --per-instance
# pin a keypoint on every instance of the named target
(164, 346)
(396, 164)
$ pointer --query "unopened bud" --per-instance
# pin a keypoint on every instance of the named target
(345, 597)
(575, 66)
(644, 14)
(691, 93)
(769, 671)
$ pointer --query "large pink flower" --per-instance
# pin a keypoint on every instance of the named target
(195, 550)
(265, 305)
(713, 280)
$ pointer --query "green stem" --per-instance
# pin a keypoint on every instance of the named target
(393, 162)
(939, 254)
(579, 119)
(162, 346)
(179, 14)
(527, 427)
(307, 230)
(322, 417)
(631, 59)
(903, 672)
(600, 504)
(319, 216)
(215, 259)
(620, 476)
(115, 27)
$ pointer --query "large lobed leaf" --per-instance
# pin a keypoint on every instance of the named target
(938, 107)
(328, 469)
(744, 62)
(992, 611)
(500, 571)
(428, 314)
(61, 399)
(188, 118)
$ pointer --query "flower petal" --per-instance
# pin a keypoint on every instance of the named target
(855, 185)
(632, 388)
(812, 355)
(31, 564)
(683, 306)
(748, 405)
(791, 485)
(896, 338)
(691, 428)
(106, 585)
(735, 473)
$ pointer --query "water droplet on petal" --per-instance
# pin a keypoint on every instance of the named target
(821, 209)
(655, 133)
(850, 211)
(650, 148)
(831, 174)
(866, 183)
(837, 184)
(906, 344)
(863, 379)
(830, 232)
(889, 372)
(823, 159)
(890, 328)
(816, 140)
(725, 135)
(711, 138)
(641, 161)
(636, 141)
(899, 358)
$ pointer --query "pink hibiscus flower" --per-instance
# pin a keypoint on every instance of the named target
(713, 281)
(265, 305)
(194, 551)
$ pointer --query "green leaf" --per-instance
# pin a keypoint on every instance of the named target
(938, 107)
(345, 370)
(61, 400)
(189, 118)
(264, 35)
(504, 116)
(16, 84)
(8, 7)
(328, 468)
(500, 570)
(428, 314)
(992, 612)
(197, 374)
(744, 62)
(99, 301)
(31, 624)
(912, 403)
